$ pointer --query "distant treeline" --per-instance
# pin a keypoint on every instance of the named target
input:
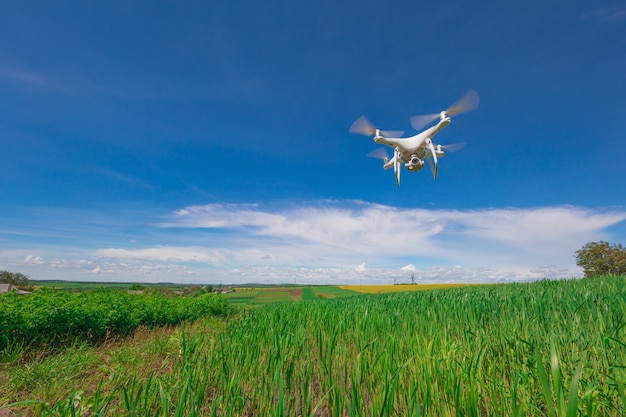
(100, 284)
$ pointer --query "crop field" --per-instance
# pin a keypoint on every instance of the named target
(51, 318)
(273, 295)
(548, 348)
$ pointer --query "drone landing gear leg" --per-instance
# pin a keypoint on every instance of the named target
(396, 165)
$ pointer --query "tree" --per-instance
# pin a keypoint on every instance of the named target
(18, 279)
(600, 258)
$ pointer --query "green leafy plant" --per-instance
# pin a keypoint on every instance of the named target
(56, 318)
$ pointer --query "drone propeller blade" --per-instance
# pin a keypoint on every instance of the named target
(392, 133)
(379, 153)
(363, 126)
(468, 102)
(418, 122)
(453, 147)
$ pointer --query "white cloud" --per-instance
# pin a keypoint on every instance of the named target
(409, 268)
(332, 231)
(37, 260)
(361, 268)
(339, 226)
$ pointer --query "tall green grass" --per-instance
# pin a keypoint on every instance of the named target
(550, 348)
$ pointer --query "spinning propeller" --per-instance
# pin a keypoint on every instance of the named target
(453, 147)
(381, 153)
(468, 102)
(363, 126)
(432, 150)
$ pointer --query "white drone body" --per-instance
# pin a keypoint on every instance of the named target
(412, 151)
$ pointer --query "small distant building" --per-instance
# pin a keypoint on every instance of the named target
(10, 287)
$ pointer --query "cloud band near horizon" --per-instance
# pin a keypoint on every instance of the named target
(319, 240)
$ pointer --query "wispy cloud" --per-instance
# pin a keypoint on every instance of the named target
(606, 14)
(21, 75)
(167, 254)
(124, 178)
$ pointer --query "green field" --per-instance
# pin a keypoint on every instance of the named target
(549, 348)
(272, 294)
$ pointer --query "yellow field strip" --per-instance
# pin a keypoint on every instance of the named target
(377, 289)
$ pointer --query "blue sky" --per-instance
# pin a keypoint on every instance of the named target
(208, 142)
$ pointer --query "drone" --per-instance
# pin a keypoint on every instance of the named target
(413, 150)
